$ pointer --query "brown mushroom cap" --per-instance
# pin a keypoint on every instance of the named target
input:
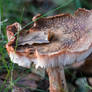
(57, 40)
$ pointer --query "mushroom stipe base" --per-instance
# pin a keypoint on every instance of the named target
(57, 79)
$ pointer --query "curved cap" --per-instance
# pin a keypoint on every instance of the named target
(56, 40)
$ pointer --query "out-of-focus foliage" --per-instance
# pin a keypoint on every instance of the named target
(22, 11)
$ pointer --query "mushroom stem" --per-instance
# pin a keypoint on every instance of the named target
(57, 79)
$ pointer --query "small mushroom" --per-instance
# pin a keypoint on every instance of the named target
(53, 43)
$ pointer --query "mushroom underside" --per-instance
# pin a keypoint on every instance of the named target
(48, 60)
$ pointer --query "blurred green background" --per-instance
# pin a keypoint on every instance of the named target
(22, 11)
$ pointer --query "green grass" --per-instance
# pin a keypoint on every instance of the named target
(10, 12)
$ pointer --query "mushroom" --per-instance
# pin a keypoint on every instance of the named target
(53, 43)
